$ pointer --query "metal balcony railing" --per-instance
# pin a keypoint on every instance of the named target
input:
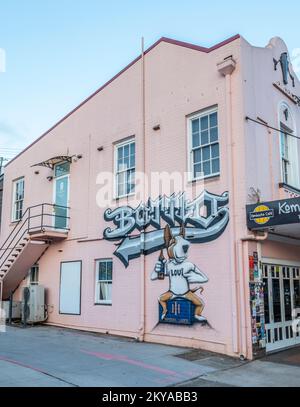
(36, 218)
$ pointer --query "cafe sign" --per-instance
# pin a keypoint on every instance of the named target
(274, 213)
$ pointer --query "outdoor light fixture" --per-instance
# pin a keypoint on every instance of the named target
(77, 157)
(100, 148)
(157, 127)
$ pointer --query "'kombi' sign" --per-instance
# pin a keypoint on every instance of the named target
(274, 213)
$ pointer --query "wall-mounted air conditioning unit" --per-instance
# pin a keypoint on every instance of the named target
(16, 309)
(33, 304)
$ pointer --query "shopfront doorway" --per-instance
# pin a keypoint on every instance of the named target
(281, 304)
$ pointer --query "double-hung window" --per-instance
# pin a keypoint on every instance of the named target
(125, 168)
(285, 155)
(204, 144)
(104, 270)
(289, 157)
(289, 148)
(18, 199)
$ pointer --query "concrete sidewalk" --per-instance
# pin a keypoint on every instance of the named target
(55, 357)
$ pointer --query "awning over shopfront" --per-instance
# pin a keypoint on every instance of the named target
(280, 217)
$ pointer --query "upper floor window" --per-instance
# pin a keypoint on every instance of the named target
(18, 199)
(125, 168)
(288, 149)
(204, 144)
(104, 281)
(285, 155)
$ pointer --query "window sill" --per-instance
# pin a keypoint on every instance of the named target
(106, 304)
(120, 198)
(207, 178)
(289, 187)
(14, 222)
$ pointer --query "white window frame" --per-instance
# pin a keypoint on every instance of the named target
(293, 150)
(98, 301)
(122, 144)
(285, 155)
(34, 270)
(15, 202)
(190, 160)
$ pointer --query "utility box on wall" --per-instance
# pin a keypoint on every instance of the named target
(33, 304)
(16, 309)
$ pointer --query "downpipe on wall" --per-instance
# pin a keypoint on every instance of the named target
(231, 183)
(141, 333)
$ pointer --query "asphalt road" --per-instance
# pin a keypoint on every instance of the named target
(54, 357)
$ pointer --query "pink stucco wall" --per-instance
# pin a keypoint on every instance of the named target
(179, 81)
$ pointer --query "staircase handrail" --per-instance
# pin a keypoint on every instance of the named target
(18, 228)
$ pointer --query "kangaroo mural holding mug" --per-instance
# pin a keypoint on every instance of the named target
(181, 274)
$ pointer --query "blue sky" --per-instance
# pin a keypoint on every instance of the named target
(60, 51)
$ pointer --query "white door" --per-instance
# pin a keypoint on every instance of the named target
(282, 297)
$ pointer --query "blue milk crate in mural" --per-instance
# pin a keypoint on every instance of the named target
(180, 312)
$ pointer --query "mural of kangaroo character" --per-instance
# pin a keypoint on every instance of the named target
(181, 273)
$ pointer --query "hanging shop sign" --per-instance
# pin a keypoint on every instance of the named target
(175, 211)
(274, 213)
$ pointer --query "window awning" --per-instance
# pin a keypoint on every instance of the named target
(51, 162)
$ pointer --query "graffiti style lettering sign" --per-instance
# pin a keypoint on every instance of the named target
(174, 211)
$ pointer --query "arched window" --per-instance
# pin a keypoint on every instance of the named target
(288, 148)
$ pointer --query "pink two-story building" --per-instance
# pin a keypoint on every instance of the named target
(210, 260)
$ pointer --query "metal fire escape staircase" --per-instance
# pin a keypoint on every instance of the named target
(28, 241)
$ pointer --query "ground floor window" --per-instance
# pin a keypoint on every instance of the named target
(104, 281)
(70, 288)
(34, 275)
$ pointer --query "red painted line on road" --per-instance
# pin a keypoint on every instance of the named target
(125, 359)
